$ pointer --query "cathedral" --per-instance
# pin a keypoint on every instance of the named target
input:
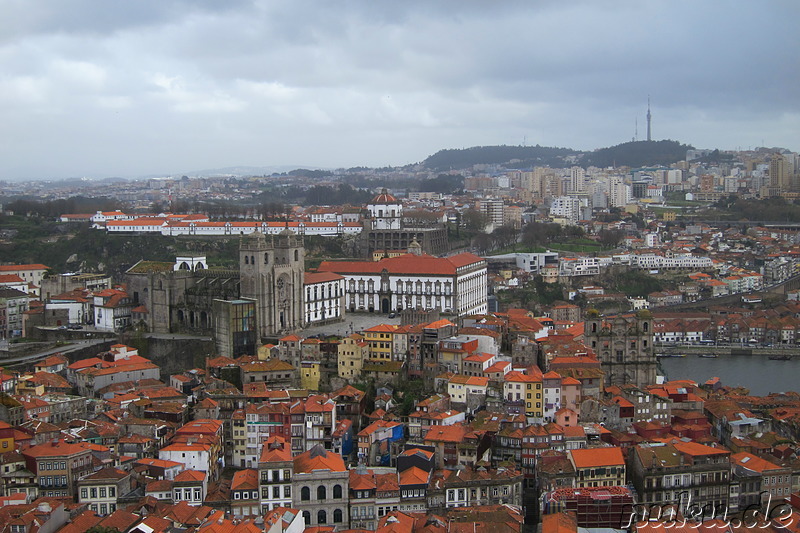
(181, 296)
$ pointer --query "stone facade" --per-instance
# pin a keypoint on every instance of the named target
(271, 273)
(624, 345)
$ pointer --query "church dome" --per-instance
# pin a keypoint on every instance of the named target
(384, 198)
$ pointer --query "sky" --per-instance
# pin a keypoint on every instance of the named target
(100, 88)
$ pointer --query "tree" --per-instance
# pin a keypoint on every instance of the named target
(610, 237)
(474, 220)
(505, 236)
(482, 242)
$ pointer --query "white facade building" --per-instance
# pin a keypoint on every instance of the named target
(566, 207)
(456, 284)
(324, 297)
(385, 211)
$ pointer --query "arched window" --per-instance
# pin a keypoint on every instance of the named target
(594, 328)
(645, 326)
(296, 255)
(322, 493)
(246, 260)
(266, 259)
(305, 494)
(322, 517)
(252, 260)
(307, 517)
(337, 516)
(337, 491)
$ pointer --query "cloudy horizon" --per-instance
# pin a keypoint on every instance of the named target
(92, 88)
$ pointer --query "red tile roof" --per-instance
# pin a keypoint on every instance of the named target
(594, 457)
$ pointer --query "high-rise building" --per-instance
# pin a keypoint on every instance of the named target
(577, 179)
(779, 175)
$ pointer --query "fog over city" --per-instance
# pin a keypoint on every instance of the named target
(95, 88)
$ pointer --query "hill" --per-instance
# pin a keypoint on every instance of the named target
(515, 156)
(637, 154)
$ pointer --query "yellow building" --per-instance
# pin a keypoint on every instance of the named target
(525, 389)
(379, 339)
(377, 255)
(352, 352)
(267, 351)
(598, 467)
(310, 375)
(6, 437)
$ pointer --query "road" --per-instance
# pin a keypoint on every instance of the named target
(77, 345)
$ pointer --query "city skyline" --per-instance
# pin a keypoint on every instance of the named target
(97, 90)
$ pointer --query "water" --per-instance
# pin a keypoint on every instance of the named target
(756, 372)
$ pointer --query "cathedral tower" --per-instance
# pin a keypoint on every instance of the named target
(271, 273)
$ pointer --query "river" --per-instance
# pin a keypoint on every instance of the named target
(756, 372)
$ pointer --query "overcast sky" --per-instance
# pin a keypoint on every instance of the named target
(128, 88)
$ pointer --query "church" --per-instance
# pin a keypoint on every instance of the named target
(386, 232)
(188, 297)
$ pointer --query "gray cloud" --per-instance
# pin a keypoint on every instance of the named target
(110, 88)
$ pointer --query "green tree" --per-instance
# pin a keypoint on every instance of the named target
(474, 220)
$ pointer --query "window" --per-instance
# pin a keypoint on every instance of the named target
(337, 492)
(305, 495)
(112, 492)
(102, 492)
(287, 491)
(84, 493)
(93, 492)
(322, 493)
(322, 517)
(337, 515)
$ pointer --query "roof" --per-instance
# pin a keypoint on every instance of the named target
(317, 458)
(16, 268)
(405, 264)
(413, 476)
(106, 473)
(245, 480)
(55, 449)
(310, 278)
(754, 463)
(275, 449)
(190, 476)
(594, 457)
(384, 198)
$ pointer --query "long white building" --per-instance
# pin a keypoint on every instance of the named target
(456, 284)
(164, 227)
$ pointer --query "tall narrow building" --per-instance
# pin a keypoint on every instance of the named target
(649, 138)
(624, 345)
(271, 273)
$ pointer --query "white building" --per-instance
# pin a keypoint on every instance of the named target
(456, 284)
(619, 193)
(385, 211)
(324, 297)
(214, 229)
(566, 207)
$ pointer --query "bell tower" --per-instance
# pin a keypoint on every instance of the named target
(271, 273)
